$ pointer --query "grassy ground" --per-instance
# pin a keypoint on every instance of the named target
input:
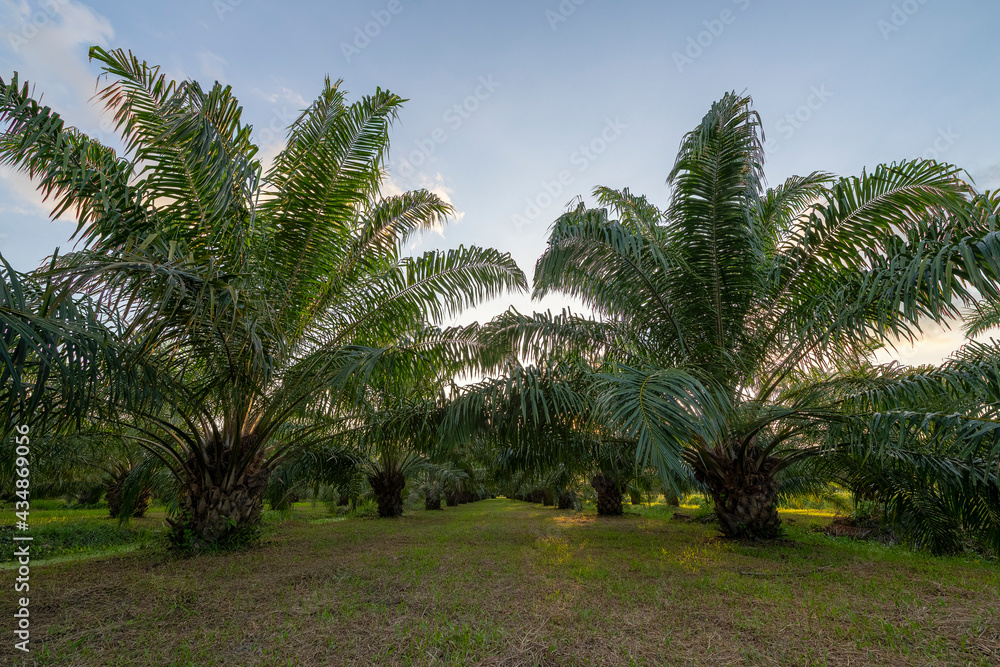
(508, 583)
(59, 532)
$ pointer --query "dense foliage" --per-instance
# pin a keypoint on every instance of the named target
(261, 305)
(261, 331)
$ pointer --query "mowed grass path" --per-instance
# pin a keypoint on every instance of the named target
(501, 582)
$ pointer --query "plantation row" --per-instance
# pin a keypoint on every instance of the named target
(230, 332)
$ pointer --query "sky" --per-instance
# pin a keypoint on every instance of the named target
(514, 108)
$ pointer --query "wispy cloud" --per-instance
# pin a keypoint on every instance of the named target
(52, 53)
(213, 66)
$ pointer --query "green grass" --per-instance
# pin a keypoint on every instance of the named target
(59, 532)
(506, 582)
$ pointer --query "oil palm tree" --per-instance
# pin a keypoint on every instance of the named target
(397, 429)
(267, 301)
(714, 315)
(923, 447)
(542, 429)
(52, 346)
(433, 482)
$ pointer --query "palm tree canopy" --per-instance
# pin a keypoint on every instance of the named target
(744, 286)
(724, 322)
(267, 300)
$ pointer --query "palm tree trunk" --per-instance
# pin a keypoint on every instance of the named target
(451, 499)
(609, 495)
(114, 493)
(536, 496)
(388, 489)
(566, 501)
(432, 500)
(746, 501)
(214, 515)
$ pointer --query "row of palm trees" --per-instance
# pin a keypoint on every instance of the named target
(234, 322)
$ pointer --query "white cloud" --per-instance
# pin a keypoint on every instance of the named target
(26, 191)
(390, 188)
(283, 95)
(935, 345)
(212, 66)
(49, 44)
(436, 184)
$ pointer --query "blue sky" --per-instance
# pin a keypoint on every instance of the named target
(516, 107)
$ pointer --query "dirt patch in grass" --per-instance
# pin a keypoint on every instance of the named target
(507, 583)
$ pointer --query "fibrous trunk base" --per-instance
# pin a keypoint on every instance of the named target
(609, 495)
(432, 501)
(213, 515)
(388, 490)
(566, 501)
(746, 501)
(114, 498)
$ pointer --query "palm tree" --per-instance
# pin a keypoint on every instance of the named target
(715, 315)
(543, 429)
(267, 303)
(922, 450)
(331, 469)
(434, 481)
(52, 347)
(397, 430)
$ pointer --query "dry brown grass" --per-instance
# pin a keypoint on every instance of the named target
(508, 583)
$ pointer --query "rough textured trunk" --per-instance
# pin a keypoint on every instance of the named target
(89, 494)
(635, 497)
(549, 498)
(114, 498)
(432, 500)
(388, 490)
(746, 501)
(218, 507)
(451, 499)
(211, 514)
(566, 501)
(536, 496)
(672, 499)
(609, 495)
